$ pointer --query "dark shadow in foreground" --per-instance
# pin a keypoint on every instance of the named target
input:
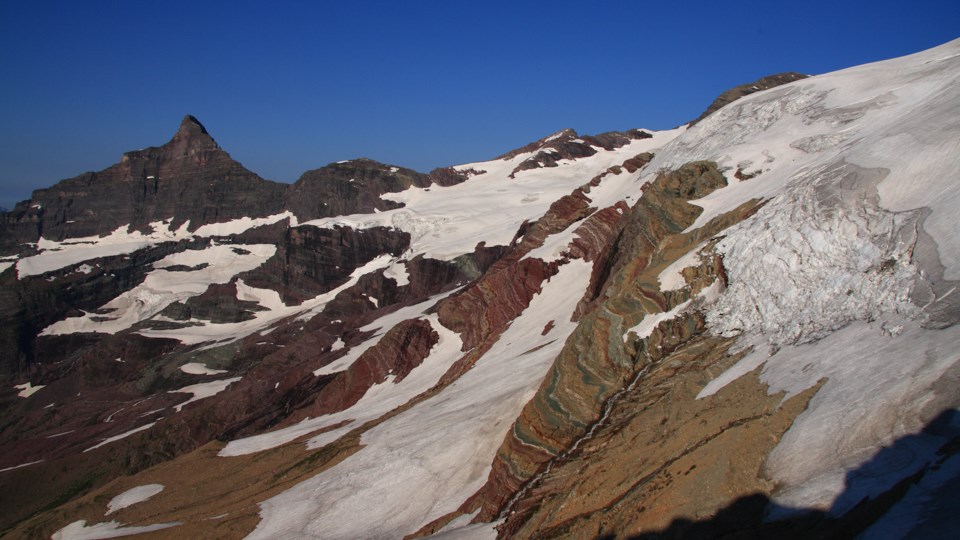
(927, 463)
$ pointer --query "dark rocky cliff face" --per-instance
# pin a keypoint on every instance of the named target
(355, 186)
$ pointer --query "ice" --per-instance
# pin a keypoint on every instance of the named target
(132, 496)
(897, 115)
(821, 278)
(426, 461)
(919, 504)
(807, 264)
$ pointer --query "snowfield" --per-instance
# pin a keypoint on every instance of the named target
(163, 287)
(132, 496)
(832, 280)
(426, 461)
(489, 207)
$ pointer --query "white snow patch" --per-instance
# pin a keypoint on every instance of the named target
(381, 326)
(196, 368)
(78, 530)
(132, 496)
(22, 465)
(120, 436)
(554, 245)
(6, 264)
(443, 446)
(221, 334)
(56, 255)
(555, 136)
(241, 225)
(398, 272)
(203, 390)
(84, 269)
(379, 399)
(27, 389)
(671, 278)
(650, 321)
(337, 345)
(476, 531)
(161, 287)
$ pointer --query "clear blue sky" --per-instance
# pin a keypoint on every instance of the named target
(290, 86)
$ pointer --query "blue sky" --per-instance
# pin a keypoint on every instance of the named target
(291, 86)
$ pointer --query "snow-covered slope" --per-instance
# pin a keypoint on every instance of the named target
(862, 169)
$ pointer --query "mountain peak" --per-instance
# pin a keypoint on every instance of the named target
(190, 126)
(191, 137)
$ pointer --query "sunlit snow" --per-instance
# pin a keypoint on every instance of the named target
(79, 530)
(56, 255)
(424, 462)
(196, 368)
(203, 390)
(132, 496)
(820, 278)
(219, 334)
(27, 389)
(162, 287)
(489, 207)
(123, 435)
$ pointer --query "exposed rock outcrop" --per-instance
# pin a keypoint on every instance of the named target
(596, 361)
(737, 92)
(566, 144)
